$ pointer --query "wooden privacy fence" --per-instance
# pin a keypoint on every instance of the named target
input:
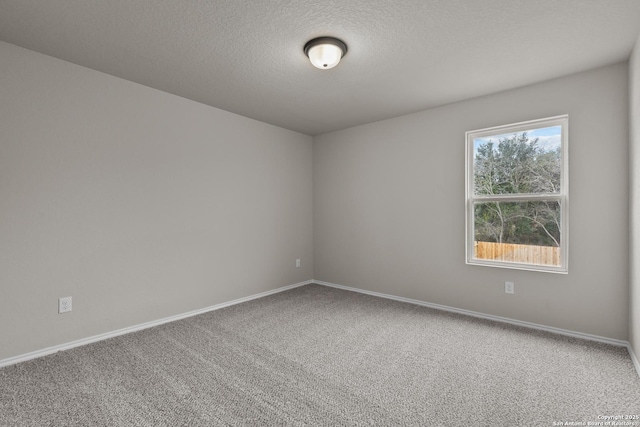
(541, 255)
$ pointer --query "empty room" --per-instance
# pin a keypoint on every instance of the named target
(288, 212)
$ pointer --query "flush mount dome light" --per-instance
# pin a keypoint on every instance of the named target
(325, 52)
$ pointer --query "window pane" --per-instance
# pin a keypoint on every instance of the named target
(523, 232)
(518, 163)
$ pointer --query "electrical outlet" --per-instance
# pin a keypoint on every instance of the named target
(64, 304)
(509, 287)
(298, 263)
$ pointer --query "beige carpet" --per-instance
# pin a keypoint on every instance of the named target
(321, 356)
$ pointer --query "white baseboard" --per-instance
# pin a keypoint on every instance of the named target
(483, 316)
(634, 359)
(531, 325)
(128, 330)
(123, 331)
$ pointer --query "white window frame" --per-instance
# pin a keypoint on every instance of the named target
(562, 197)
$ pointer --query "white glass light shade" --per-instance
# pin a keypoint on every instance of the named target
(325, 52)
(325, 56)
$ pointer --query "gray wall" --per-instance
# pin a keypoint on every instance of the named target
(634, 146)
(389, 207)
(142, 205)
(139, 204)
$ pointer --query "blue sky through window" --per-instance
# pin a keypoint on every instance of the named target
(549, 138)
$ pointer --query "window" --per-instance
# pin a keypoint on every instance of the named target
(517, 195)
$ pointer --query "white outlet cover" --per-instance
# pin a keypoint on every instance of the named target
(509, 287)
(64, 305)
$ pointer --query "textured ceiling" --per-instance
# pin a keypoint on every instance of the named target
(404, 55)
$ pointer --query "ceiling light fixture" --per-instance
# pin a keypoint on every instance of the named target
(325, 52)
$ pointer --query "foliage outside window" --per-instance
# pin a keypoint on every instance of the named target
(517, 195)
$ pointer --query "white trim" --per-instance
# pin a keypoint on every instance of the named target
(146, 325)
(530, 325)
(128, 330)
(562, 197)
(634, 359)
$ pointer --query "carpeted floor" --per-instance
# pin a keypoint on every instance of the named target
(316, 355)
